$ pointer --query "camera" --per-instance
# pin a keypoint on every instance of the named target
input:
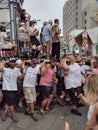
(68, 62)
(88, 62)
(27, 64)
(6, 65)
(41, 61)
(47, 62)
(44, 57)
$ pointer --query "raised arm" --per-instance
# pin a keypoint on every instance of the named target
(83, 98)
(2, 66)
(44, 70)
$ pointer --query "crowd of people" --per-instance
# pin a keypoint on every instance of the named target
(46, 41)
(72, 79)
(23, 82)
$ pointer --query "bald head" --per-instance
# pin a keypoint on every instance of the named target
(72, 59)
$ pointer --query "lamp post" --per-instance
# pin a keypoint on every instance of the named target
(13, 20)
(14, 6)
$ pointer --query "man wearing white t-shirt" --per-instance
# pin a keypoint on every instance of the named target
(72, 79)
(10, 89)
(29, 84)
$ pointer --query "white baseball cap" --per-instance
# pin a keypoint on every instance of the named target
(18, 62)
(12, 59)
(50, 21)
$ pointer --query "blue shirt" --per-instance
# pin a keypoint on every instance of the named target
(47, 34)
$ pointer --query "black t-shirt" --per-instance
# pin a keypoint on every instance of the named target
(23, 18)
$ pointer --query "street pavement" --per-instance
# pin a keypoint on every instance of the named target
(54, 121)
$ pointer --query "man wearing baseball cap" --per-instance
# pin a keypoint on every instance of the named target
(29, 84)
(10, 89)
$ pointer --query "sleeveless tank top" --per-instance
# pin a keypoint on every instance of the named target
(90, 111)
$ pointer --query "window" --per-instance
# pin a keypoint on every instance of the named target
(85, 28)
(85, 13)
(76, 26)
(76, 1)
(85, 21)
(76, 13)
(76, 7)
(76, 19)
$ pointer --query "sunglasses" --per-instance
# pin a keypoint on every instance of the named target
(13, 61)
(34, 63)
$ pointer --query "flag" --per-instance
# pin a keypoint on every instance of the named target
(94, 20)
(68, 37)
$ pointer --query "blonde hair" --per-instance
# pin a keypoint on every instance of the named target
(92, 88)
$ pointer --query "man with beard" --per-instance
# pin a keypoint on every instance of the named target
(56, 39)
(73, 81)
(47, 76)
(29, 87)
(10, 89)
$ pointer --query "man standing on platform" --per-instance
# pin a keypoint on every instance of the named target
(56, 39)
(47, 35)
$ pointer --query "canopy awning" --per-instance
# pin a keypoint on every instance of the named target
(76, 32)
(93, 34)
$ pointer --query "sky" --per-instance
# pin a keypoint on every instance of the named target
(45, 10)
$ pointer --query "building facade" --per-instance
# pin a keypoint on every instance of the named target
(77, 15)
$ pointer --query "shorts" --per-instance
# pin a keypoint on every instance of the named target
(30, 94)
(8, 45)
(54, 87)
(38, 89)
(46, 91)
(74, 93)
(49, 42)
(11, 97)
